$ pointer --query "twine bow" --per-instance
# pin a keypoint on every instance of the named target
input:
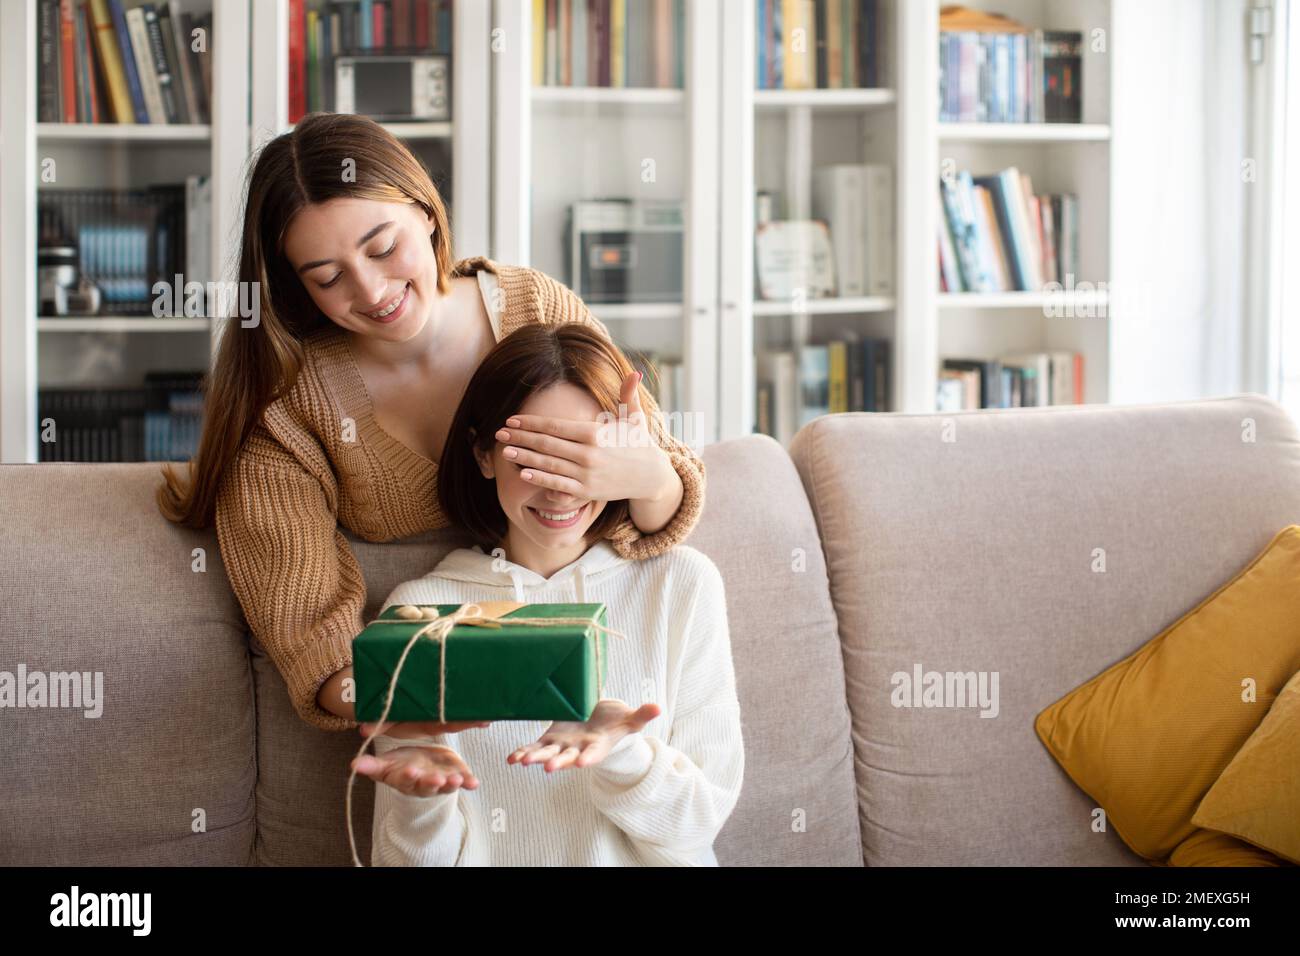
(439, 629)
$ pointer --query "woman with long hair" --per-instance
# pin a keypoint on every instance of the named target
(331, 409)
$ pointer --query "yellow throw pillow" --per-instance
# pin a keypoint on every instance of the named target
(1150, 735)
(1211, 848)
(1258, 797)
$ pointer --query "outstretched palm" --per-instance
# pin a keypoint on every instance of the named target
(418, 771)
(585, 743)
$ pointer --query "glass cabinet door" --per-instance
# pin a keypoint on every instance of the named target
(617, 181)
(824, 200)
(123, 227)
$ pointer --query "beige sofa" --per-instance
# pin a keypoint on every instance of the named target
(881, 544)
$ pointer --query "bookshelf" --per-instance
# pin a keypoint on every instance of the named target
(646, 136)
(517, 154)
(249, 46)
(110, 353)
(774, 138)
(1072, 158)
(452, 150)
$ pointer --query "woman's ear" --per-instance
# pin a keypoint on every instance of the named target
(483, 458)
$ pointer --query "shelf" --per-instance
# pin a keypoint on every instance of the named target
(828, 306)
(113, 323)
(1024, 132)
(854, 99)
(419, 130)
(635, 311)
(1022, 300)
(124, 132)
(606, 98)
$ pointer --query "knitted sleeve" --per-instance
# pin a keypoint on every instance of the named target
(292, 570)
(561, 304)
(417, 831)
(672, 797)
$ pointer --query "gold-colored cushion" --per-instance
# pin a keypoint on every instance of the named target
(1258, 797)
(1211, 848)
(1148, 737)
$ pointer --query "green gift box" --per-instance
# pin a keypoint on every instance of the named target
(502, 671)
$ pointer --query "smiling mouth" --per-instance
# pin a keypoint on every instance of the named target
(392, 306)
(558, 519)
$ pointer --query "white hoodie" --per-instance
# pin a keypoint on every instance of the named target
(660, 796)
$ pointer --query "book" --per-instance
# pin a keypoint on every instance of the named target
(794, 258)
(838, 382)
(839, 200)
(110, 55)
(995, 69)
(49, 102)
(67, 60)
(878, 202)
(102, 61)
(163, 66)
(128, 60)
(1062, 76)
(779, 371)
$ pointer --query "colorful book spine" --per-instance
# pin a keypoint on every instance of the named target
(133, 84)
(618, 43)
(68, 60)
(110, 55)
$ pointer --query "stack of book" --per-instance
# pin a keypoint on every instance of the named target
(159, 422)
(857, 204)
(995, 70)
(995, 235)
(818, 44)
(1013, 381)
(102, 63)
(795, 386)
(356, 28)
(128, 239)
(615, 43)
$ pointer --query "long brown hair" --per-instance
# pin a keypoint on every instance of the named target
(255, 366)
(527, 360)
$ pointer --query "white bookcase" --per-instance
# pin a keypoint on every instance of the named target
(521, 155)
(249, 105)
(107, 351)
(555, 145)
(1059, 158)
(728, 139)
(777, 137)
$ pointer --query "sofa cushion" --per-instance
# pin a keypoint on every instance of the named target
(1148, 737)
(797, 805)
(96, 581)
(1042, 545)
(1207, 847)
(1257, 798)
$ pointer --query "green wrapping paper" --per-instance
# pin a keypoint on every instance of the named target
(511, 672)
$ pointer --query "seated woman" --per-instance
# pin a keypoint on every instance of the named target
(637, 783)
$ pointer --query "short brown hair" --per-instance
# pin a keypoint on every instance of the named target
(526, 361)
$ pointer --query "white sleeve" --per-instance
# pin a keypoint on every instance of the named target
(672, 798)
(412, 830)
